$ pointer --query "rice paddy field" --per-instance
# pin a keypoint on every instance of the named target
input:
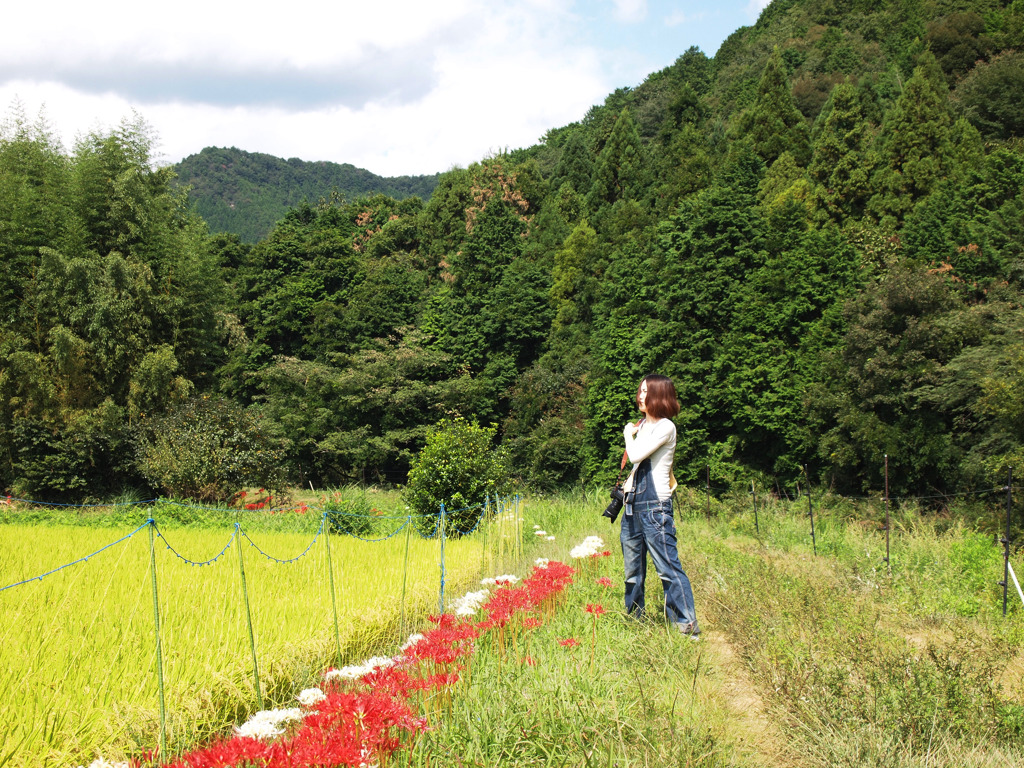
(78, 651)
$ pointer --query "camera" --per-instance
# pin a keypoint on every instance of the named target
(615, 506)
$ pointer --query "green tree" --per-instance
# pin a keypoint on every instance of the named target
(840, 163)
(620, 171)
(207, 449)
(575, 164)
(458, 467)
(917, 149)
(991, 96)
(773, 123)
(878, 397)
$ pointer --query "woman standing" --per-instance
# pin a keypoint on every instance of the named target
(648, 525)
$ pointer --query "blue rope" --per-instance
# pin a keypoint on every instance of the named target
(385, 538)
(290, 560)
(320, 530)
(433, 533)
(79, 560)
(194, 562)
(339, 513)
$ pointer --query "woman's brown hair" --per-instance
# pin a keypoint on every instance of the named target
(662, 401)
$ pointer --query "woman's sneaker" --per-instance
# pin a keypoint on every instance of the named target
(690, 629)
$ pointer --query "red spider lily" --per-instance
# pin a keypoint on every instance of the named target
(451, 640)
(595, 608)
(569, 642)
(240, 750)
(604, 581)
(362, 727)
(531, 622)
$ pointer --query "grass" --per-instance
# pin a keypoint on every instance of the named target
(805, 660)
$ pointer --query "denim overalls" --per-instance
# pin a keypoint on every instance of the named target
(648, 526)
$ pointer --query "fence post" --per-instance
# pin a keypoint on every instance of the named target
(330, 574)
(441, 524)
(248, 618)
(159, 648)
(405, 570)
(1006, 538)
(888, 563)
(520, 527)
(810, 510)
(753, 495)
(707, 485)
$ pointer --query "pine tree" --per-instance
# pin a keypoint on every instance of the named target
(917, 150)
(840, 163)
(774, 123)
(620, 171)
(575, 165)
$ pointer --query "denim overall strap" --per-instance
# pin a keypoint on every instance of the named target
(643, 484)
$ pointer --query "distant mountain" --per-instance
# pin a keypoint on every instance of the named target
(246, 193)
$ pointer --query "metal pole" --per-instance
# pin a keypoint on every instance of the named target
(1006, 538)
(248, 618)
(159, 648)
(330, 581)
(440, 605)
(810, 510)
(753, 495)
(888, 563)
(405, 570)
(707, 475)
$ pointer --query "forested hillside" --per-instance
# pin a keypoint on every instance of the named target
(818, 234)
(246, 193)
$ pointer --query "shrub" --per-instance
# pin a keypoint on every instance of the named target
(207, 447)
(351, 516)
(457, 467)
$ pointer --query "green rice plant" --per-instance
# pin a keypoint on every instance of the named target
(77, 648)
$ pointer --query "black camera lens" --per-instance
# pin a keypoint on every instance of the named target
(615, 506)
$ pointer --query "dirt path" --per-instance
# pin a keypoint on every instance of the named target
(762, 741)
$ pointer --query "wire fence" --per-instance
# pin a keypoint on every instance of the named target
(1005, 526)
(496, 528)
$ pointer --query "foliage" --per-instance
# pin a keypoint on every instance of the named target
(991, 96)
(457, 468)
(248, 193)
(207, 448)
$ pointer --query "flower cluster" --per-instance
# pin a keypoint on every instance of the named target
(269, 723)
(469, 603)
(363, 714)
(357, 671)
(592, 546)
(311, 697)
(536, 592)
(500, 580)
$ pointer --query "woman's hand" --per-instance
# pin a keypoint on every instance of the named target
(630, 429)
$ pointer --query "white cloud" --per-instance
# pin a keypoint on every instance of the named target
(756, 6)
(630, 11)
(395, 86)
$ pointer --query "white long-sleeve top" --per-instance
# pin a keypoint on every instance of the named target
(656, 440)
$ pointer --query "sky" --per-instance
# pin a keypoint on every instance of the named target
(398, 87)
